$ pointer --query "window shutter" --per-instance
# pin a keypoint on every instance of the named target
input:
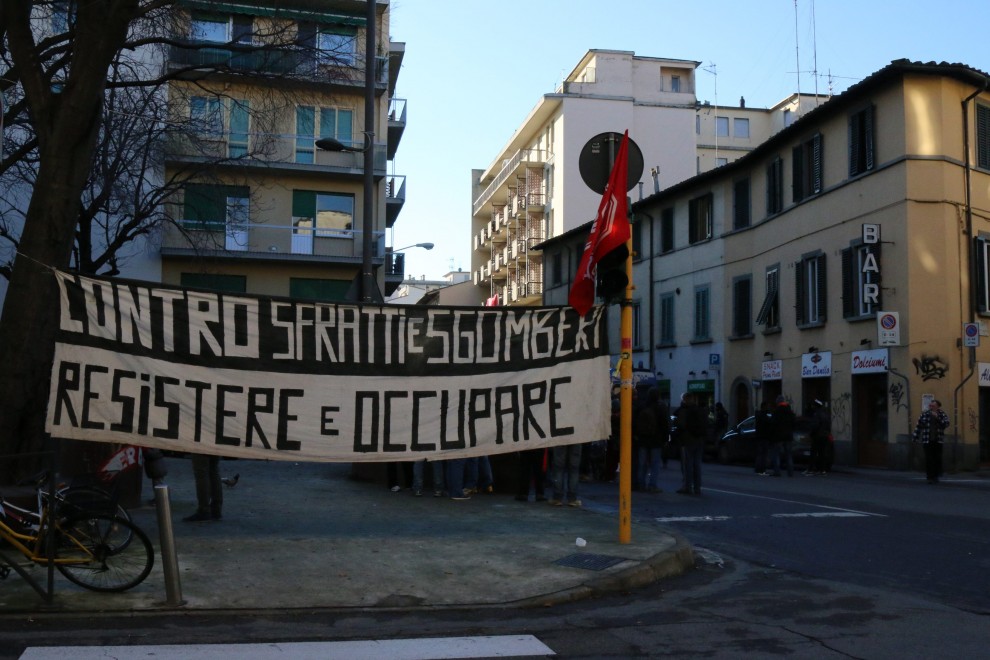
(205, 204)
(855, 120)
(868, 136)
(303, 204)
(797, 185)
(741, 308)
(848, 284)
(982, 287)
(878, 278)
(741, 205)
(816, 154)
(983, 136)
(799, 269)
(822, 292)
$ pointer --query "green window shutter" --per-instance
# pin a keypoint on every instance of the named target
(855, 120)
(848, 282)
(982, 287)
(214, 282)
(983, 136)
(303, 204)
(817, 154)
(868, 135)
(320, 290)
(821, 290)
(205, 206)
(799, 271)
(797, 186)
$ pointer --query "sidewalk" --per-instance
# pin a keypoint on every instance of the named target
(304, 535)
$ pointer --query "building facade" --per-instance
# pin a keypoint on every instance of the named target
(274, 213)
(844, 259)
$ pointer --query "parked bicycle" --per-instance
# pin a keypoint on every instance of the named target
(97, 550)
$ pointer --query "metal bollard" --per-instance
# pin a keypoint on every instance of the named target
(170, 563)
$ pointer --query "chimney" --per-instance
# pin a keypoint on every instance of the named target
(655, 172)
(742, 101)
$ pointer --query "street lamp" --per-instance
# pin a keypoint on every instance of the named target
(333, 144)
(425, 246)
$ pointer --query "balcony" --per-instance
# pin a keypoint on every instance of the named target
(274, 62)
(396, 124)
(287, 152)
(513, 167)
(268, 242)
(395, 270)
(395, 198)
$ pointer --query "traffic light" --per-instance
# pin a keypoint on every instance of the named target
(611, 275)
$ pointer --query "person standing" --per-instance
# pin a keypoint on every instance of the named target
(566, 474)
(763, 430)
(531, 472)
(209, 488)
(782, 436)
(821, 427)
(693, 427)
(653, 430)
(930, 431)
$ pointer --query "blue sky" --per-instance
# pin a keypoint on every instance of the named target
(473, 70)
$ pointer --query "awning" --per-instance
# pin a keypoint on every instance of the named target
(277, 12)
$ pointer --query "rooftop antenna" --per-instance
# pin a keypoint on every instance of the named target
(712, 68)
(814, 50)
(797, 58)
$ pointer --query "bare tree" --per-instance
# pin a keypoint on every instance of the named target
(90, 110)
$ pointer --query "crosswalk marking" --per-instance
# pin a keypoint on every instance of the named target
(693, 518)
(822, 514)
(433, 648)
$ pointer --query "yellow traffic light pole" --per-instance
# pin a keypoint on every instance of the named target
(625, 406)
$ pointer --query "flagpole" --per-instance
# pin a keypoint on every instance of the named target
(625, 409)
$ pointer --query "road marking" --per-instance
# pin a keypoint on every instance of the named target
(821, 514)
(433, 648)
(693, 518)
(811, 504)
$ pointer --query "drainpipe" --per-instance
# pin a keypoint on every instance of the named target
(955, 414)
(907, 388)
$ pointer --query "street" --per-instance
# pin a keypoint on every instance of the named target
(856, 564)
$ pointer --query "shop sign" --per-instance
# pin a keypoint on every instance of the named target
(816, 365)
(773, 370)
(701, 386)
(876, 361)
(983, 368)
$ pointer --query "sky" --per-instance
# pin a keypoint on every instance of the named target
(474, 69)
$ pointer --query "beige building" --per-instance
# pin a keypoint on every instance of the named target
(277, 214)
(534, 189)
(840, 260)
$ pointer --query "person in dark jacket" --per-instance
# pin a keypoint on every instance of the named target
(821, 428)
(782, 436)
(763, 430)
(693, 427)
(930, 431)
(653, 430)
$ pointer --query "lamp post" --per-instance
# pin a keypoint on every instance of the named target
(425, 246)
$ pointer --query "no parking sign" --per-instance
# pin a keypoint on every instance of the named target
(888, 329)
(971, 334)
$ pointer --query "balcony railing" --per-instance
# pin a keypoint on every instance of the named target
(263, 241)
(510, 166)
(282, 61)
(265, 149)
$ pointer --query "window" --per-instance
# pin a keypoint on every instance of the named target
(332, 122)
(808, 168)
(788, 118)
(983, 137)
(675, 83)
(303, 288)
(666, 319)
(700, 219)
(702, 314)
(557, 269)
(206, 115)
(810, 298)
(983, 274)
(740, 204)
(861, 281)
(742, 306)
(211, 115)
(719, 162)
(329, 213)
(214, 282)
(721, 127)
(775, 186)
(240, 120)
(210, 28)
(211, 207)
(336, 46)
(740, 127)
(666, 230)
(769, 314)
(861, 141)
(697, 124)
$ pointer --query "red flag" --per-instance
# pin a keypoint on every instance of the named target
(609, 230)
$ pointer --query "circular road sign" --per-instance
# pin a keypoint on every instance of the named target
(598, 156)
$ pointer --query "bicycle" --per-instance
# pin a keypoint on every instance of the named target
(98, 551)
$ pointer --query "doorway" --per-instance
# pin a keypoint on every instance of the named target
(869, 408)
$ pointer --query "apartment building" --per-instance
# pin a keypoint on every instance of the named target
(844, 259)
(534, 189)
(274, 213)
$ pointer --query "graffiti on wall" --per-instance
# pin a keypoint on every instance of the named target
(897, 396)
(973, 418)
(930, 368)
(840, 414)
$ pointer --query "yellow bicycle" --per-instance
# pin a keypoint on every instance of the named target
(95, 549)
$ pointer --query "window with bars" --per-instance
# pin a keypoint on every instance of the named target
(700, 219)
(810, 300)
(740, 204)
(775, 186)
(667, 319)
(666, 230)
(769, 314)
(861, 136)
(702, 313)
(861, 294)
(742, 306)
(808, 168)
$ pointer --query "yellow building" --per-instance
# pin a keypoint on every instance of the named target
(844, 259)
(267, 210)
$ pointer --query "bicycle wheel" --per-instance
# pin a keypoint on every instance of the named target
(76, 500)
(103, 553)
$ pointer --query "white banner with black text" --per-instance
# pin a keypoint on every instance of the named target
(272, 378)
